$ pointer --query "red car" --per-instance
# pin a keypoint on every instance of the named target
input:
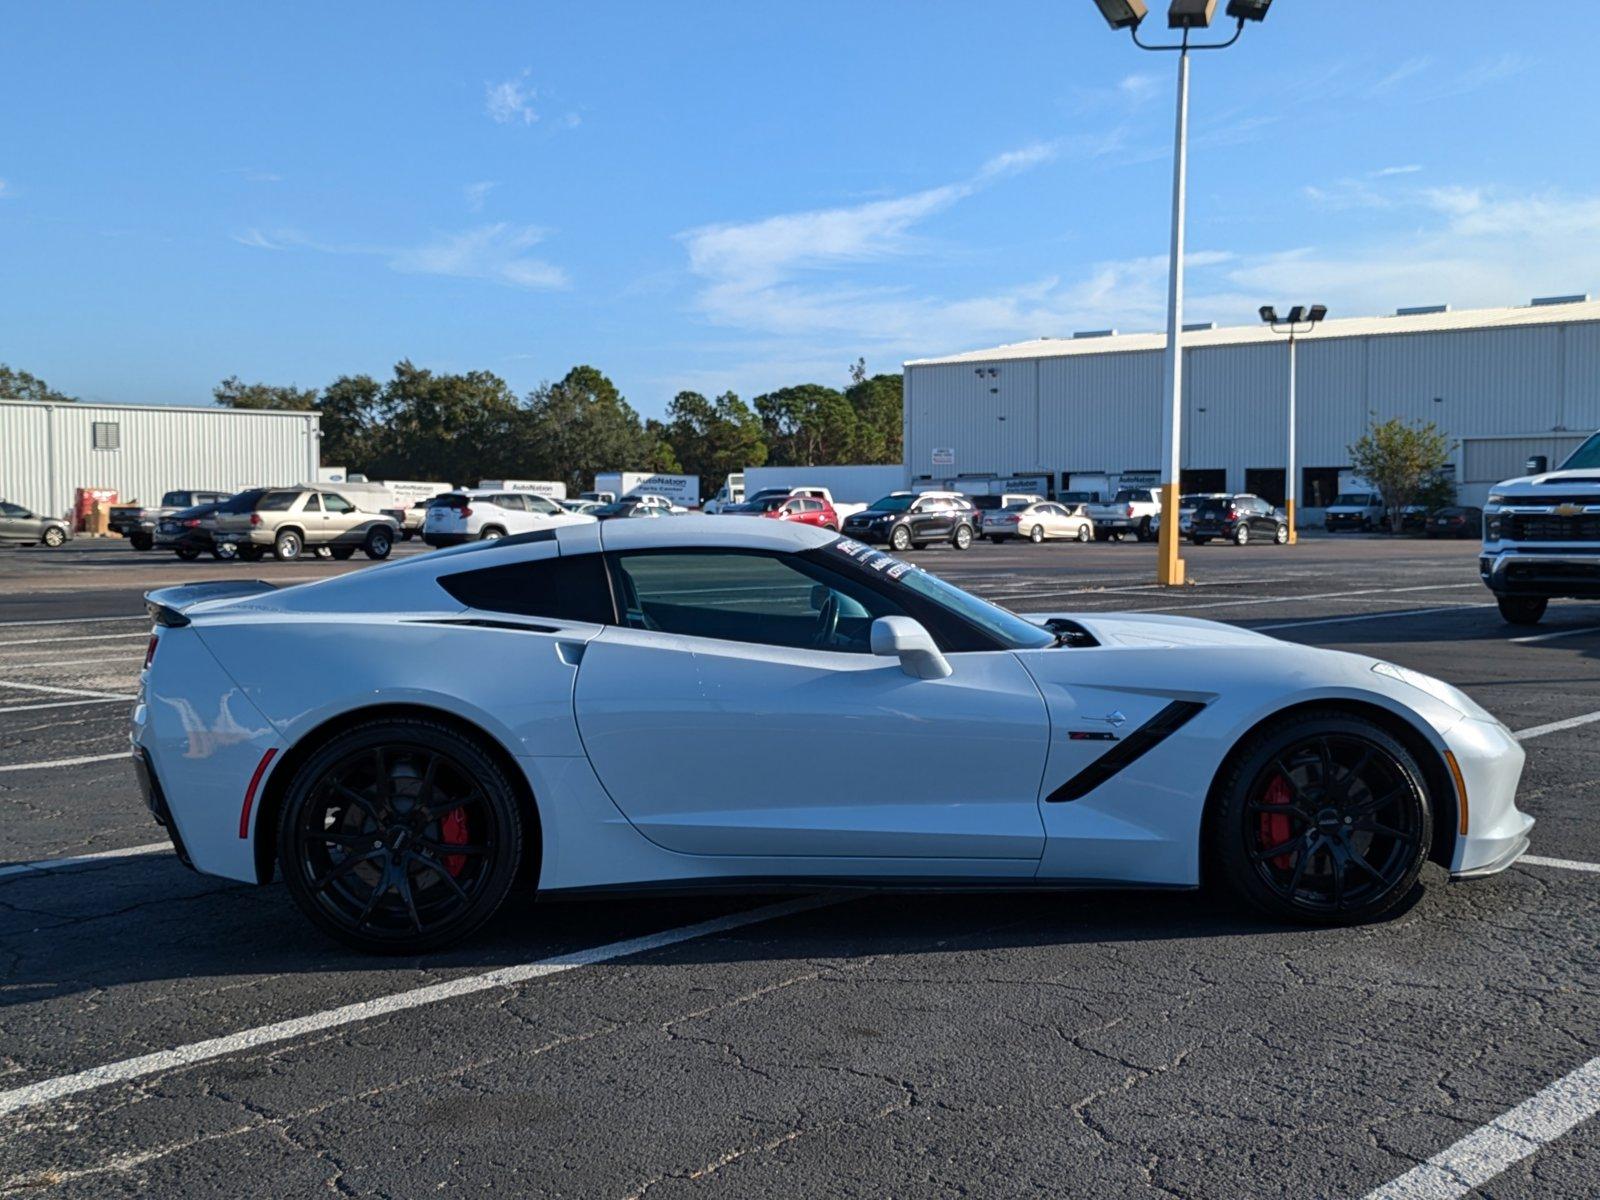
(790, 508)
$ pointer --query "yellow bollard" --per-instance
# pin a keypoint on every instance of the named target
(1169, 567)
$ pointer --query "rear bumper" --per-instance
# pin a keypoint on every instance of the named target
(1516, 572)
(439, 540)
(156, 801)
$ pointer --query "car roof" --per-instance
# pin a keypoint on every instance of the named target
(693, 530)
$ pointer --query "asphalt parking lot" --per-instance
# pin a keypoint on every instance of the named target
(1082, 1044)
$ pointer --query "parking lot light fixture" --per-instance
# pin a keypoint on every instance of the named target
(1249, 10)
(1301, 319)
(1186, 15)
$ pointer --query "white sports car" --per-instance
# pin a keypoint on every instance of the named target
(703, 702)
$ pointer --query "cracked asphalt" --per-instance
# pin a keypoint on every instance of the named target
(1081, 1044)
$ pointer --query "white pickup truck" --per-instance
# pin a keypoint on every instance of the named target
(1541, 536)
(1132, 510)
(812, 493)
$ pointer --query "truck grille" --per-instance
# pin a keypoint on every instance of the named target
(1541, 528)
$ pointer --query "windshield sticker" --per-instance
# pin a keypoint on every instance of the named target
(851, 548)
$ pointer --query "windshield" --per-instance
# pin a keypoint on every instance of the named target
(175, 500)
(1353, 499)
(892, 504)
(1000, 624)
(1586, 457)
(1019, 505)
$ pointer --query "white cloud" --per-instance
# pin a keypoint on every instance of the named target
(5, 188)
(497, 253)
(1139, 86)
(1389, 172)
(510, 102)
(1409, 69)
(254, 237)
(477, 193)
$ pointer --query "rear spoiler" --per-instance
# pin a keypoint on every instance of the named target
(166, 606)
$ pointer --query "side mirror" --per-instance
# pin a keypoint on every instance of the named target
(907, 640)
(1537, 465)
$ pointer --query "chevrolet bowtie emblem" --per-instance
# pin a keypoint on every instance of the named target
(1569, 510)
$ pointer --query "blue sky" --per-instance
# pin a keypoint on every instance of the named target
(742, 196)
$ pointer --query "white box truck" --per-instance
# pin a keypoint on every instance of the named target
(855, 484)
(681, 490)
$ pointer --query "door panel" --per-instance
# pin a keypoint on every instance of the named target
(712, 747)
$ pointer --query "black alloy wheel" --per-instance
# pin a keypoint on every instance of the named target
(1325, 819)
(399, 837)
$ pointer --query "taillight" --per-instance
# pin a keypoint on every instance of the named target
(466, 512)
(255, 518)
(1130, 510)
(190, 524)
(150, 650)
(1013, 520)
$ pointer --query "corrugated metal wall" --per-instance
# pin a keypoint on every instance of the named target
(1102, 410)
(47, 451)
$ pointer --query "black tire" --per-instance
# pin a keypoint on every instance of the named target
(1084, 533)
(1197, 540)
(900, 539)
(1344, 803)
(961, 539)
(250, 553)
(54, 537)
(1241, 534)
(141, 541)
(1280, 536)
(287, 545)
(490, 532)
(225, 552)
(1143, 533)
(1523, 610)
(379, 543)
(369, 849)
(187, 553)
(341, 553)
(1036, 534)
(1102, 535)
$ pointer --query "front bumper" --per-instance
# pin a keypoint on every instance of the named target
(872, 535)
(1491, 765)
(1572, 572)
(1333, 522)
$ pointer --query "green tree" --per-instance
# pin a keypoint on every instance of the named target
(444, 427)
(233, 392)
(19, 385)
(579, 425)
(354, 424)
(1398, 458)
(807, 426)
(878, 405)
(714, 438)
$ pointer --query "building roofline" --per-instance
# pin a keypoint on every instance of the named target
(1243, 335)
(179, 408)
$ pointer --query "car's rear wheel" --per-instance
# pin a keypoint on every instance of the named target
(1083, 533)
(341, 553)
(490, 533)
(962, 538)
(141, 541)
(287, 545)
(225, 551)
(1523, 610)
(53, 537)
(1325, 818)
(1197, 540)
(900, 539)
(400, 836)
(379, 543)
(1036, 534)
(250, 553)
(1144, 533)
(187, 553)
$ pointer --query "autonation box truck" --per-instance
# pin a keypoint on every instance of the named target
(680, 489)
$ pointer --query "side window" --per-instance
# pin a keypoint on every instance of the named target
(770, 599)
(510, 501)
(336, 504)
(541, 504)
(569, 588)
(277, 501)
(12, 510)
(313, 503)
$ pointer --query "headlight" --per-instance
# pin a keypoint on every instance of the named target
(1495, 499)
(1444, 693)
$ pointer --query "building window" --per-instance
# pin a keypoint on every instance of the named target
(1200, 480)
(1318, 486)
(107, 435)
(1266, 482)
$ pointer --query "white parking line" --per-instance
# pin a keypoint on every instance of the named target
(50, 689)
(49, 1090)
(1409, 612)
(43, 865)
(85, 637)
(1503, 1142)
(11, 708)
(1559, 633)
(1565, 864)
(64, 762)
(74, 621)
(100, 660)
(1523, 735)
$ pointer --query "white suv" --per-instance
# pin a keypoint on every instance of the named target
(477, 514)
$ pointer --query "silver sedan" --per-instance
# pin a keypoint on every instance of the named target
(1037, 521)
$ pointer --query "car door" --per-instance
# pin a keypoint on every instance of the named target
(721, 722)
(933, 519)
(342, 520)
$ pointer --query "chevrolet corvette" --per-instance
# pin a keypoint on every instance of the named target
(705, 703)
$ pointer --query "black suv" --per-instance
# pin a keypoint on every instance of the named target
(907, 521)
(1241, 519)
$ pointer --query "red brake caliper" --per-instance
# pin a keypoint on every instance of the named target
(1275, 828)
(453, 832)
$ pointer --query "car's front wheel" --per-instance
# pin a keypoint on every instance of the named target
(1523, 610)
(1281, 535)
(1324, 818)
(287, 545)
(187, 553)
(400, 836)
(1083, 533)
(379, 543)
(54, 537)
(900, 539)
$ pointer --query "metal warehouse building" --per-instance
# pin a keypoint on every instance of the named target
(1504, 383)
(47, 451)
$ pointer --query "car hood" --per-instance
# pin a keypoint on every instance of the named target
(1578, 481)
(1155, 629)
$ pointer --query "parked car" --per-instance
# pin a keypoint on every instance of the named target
(638, 687)
(1038, 520)
(22, 527)
(410, 519)
(579, 506)
(1241, 519)
(805, 509)
(289, 520)
(1186, 506)
(190, 532)
(473, 514)
(138, 524)
(1457, 521)
(840, 509)
(637, 506)
(1130, 511)
(907, 521)
(1354, 510)
(982, 506)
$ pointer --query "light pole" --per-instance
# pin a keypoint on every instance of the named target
(1291, 324)
(1187, 15)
